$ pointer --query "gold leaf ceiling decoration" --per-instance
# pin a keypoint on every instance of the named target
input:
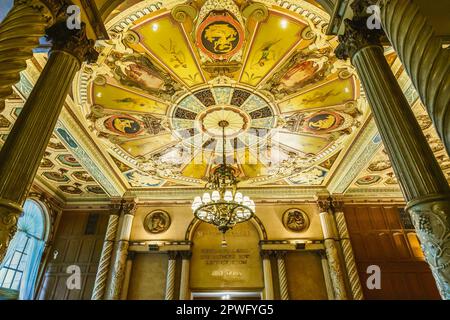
(161, 86)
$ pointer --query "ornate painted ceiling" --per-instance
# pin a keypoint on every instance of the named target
(146, 116)
(379, 172)
(168, 77)
(60, 171)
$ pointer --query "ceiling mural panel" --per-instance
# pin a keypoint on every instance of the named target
(162, 85)
(275, 37)
(165, 40)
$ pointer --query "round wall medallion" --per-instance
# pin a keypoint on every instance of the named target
(157, 221)
(295, 220)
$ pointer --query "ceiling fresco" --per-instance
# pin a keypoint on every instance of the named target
(162, 85)
(379, 172)
(59, 169)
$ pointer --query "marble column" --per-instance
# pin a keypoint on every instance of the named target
(347, 250)
(268, 280)
(127, 277)
(336, 265)
(23, 150)
(326, 275)
(282, 276)
(185, 272)
(422, 55)
(116, 279)
(422, 181)
(20, 32)
(171, 272)
(105, 259)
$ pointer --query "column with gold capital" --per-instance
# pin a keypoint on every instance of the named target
(20, 32)
(26, 144)
(421, 179)
(333, 252)
(117, 274)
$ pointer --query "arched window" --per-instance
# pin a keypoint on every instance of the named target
(19, 268)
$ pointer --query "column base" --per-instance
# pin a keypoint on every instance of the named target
(431, 218)
(9, 215)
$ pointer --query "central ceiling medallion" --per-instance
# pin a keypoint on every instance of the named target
(238, 121)
(220, 36)
(251, 118)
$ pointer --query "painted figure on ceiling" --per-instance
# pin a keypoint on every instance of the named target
(223, 36)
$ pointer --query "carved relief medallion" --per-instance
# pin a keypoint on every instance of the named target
(157, 221)
(295, 220)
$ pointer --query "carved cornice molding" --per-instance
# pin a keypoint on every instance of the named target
(259, 194)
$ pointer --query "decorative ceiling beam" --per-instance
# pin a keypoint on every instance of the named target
(359, 155)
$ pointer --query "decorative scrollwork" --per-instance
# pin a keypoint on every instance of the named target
(182, 12)
(431, 219)
(257, 11)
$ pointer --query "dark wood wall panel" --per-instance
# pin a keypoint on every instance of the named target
(74, 247)
(379, 238)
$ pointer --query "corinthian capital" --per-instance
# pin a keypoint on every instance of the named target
(129, 207)
(324, 203)
(72, 41)
(356, 37)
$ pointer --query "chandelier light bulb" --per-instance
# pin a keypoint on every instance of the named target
(206, 198)
(238, 197)
(246, 201)
(215, 196)
(228, 196)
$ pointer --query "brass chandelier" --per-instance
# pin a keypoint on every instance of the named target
(221, 204)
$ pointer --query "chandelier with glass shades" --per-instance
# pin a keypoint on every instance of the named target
(221, 204)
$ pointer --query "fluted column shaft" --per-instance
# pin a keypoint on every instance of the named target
(185, 272)
(424, 59)
(105, 259)
(282, 276)
(116, 279)
(20, 32)
(23, 150)
(170, 280)
(268, 280)
(422, 182)
(336, 266)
